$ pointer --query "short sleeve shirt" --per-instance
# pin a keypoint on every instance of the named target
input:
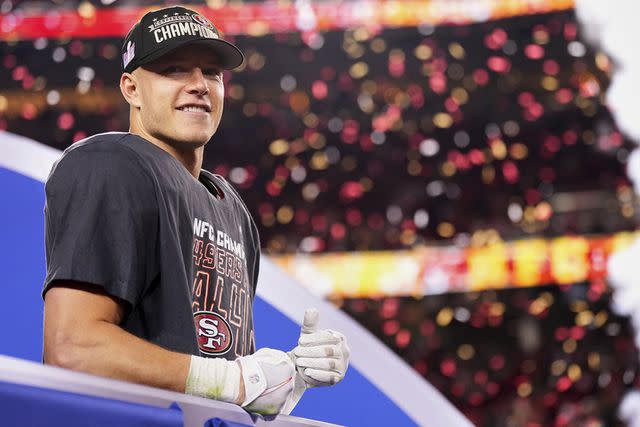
(123, 214)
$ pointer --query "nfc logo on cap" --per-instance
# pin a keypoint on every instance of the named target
(202, 21)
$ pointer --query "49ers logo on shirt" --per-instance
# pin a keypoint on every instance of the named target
(214, 333)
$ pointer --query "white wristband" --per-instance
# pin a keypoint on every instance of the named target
(214, 378)
(219, 379)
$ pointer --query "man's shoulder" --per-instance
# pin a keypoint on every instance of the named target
(112, 148)
(113, 142)
(108, 142)
(116, 153)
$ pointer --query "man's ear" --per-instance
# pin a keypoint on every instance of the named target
(129, 89)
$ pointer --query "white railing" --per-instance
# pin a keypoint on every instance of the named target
(196, 410)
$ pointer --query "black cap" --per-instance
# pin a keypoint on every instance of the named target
(163, 30)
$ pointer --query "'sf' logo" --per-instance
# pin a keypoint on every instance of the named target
(214, 333)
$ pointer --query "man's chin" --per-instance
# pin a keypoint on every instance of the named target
(193, 141)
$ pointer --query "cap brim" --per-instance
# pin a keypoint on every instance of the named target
(228, 54)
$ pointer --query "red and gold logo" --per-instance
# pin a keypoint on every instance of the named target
(214, 333)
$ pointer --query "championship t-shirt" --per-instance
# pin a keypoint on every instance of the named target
(183, 253)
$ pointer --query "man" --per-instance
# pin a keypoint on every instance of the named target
(152, 261)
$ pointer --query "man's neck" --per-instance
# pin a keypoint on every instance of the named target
(191, 158)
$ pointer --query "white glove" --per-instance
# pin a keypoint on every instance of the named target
(268, 377)
(321, 358)
(279, 372)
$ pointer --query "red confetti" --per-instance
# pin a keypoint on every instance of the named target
(19, 73)
(458, 388)
(534, 51)
(481, 377)
(496, 362)
(476, 399)
(301, 217)
(319, 89)
(510, 172)
(273, 189)
(448, 367)
(390, 327)
(354, 217)
(403, 338)
(66, 121)
(499, 64)
(525, 99)
(438, 83)
(350, 131)
(79, 135)
(496, 39)
(338, 231)
(351, 190)
(563, 384)
(481, 77)
(29, 111)
(319, 222)
(421, 367)
(551, 67)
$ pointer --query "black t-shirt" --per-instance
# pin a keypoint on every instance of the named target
(183, 252)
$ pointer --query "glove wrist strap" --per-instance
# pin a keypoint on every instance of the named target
(254, 379)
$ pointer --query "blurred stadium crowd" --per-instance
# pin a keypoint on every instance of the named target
(388, 138)
(548, 356)
(416, 134)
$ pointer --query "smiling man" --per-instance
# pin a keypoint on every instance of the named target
(152, 261)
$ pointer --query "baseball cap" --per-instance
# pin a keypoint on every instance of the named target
(160, 31)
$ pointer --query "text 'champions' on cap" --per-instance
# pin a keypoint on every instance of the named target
(162, 31)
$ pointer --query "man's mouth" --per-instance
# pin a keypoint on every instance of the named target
(194, 109)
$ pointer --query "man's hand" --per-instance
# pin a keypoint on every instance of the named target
(321, 357)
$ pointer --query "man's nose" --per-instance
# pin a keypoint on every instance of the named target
(197, 82)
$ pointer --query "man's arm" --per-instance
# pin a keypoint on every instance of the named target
(81, 333)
